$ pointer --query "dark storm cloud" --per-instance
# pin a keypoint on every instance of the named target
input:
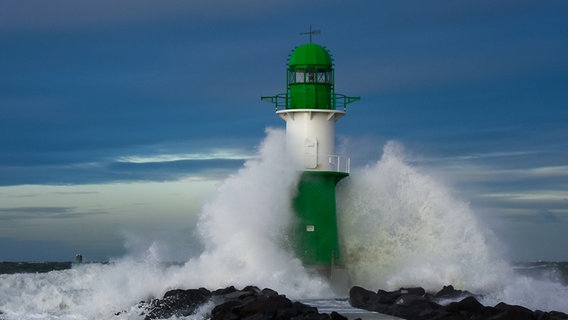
(70, 103)
(56, 14)
(84, 83)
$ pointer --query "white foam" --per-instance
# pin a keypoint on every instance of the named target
(401, 227)
(245, 227)
(535, 294)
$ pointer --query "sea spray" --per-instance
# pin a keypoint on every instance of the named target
(245, 228)
(244, 233)
(535, 294)
(401, 227)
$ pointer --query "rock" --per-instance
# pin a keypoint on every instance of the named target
(448, 292)
(336, 316)
(469, 304)
(416, 304)
(413, 306)
(252, 303)
(408, 303)
(389, 297)
(269, 292)
(415, 291)
(513, 312)
(226, 310)
(227, 290)
(179, 303)
(555, 315)
(231, 304)
(266, 305)
(364, 299)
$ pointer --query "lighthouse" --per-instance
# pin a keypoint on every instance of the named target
(311, 108)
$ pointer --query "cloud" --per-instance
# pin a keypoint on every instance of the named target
(168, 170)
(81, 105)
(65, 193)
(457, 45)
(553, 171)
(47, 212)
(539, 216)
(548, 216)
(557, 195)
(106, 172)
(506, 184)
(488, 173)
(489, 155)
(514, 165)
(73, 106)
(229, 154)
(59, 14)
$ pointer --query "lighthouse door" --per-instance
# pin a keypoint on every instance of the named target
(310, 153)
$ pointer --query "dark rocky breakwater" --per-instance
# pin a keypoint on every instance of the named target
(417, 304)
(231, 304)
(407, 303)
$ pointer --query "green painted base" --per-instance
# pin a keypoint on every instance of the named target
(315, 230)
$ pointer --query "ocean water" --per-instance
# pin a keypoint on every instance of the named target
(399, 227)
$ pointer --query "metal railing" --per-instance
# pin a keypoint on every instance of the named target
(340, 163)
(280, 101)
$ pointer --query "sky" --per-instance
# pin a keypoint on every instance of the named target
(119, 119)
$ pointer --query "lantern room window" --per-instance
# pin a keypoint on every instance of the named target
(310, 76)
(321, 77)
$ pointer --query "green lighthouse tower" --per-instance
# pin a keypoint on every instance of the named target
(310, 108)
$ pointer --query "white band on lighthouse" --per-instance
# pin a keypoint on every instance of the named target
(310, 137)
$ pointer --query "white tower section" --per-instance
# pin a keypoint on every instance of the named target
(310, 135)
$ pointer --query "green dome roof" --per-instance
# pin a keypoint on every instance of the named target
(310, 54)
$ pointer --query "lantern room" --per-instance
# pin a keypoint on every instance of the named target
(310, 78)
